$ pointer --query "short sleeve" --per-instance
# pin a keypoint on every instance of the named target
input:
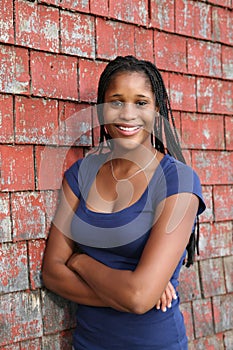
(176, 177)
(82, 173)
(72, 177)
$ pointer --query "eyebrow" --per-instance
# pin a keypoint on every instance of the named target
(139, 95)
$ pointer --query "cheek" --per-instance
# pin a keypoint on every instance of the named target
(149, 118)
(109, 115)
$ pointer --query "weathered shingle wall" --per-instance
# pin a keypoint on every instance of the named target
(51, 55)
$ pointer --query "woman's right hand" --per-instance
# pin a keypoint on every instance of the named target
(166, 298)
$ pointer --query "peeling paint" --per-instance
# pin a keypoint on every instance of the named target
(16, 87)
(50, 30)
(4, 30)
(177, 96)
(206, 133)
(204, 24)
(163, 16)
(187, 16)
(13, 267)
(216, 26)
(228, 69)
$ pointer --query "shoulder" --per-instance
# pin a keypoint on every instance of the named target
(81, 174)
(173, 169)
(177, 177)
(85, 164)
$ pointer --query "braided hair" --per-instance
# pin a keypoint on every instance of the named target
(164, 138)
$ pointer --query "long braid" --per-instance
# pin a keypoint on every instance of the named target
(165, 123)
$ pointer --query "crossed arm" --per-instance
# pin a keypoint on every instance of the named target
(84, 280)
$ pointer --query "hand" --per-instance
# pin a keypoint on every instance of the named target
(166, 298)
(72, 262)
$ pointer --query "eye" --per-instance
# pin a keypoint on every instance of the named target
(116, 103)
(141, 103)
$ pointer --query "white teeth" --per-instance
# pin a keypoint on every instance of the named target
(125, 128)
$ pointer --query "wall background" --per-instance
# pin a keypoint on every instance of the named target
(51, 55)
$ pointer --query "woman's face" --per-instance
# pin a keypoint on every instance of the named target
(129, 110)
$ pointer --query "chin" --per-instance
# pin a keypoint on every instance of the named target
(126, 145)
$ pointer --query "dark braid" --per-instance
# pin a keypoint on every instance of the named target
(165, 123)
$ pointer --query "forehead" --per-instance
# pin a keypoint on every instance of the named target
(129, 79)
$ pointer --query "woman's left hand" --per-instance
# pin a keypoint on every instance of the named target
(166, 298)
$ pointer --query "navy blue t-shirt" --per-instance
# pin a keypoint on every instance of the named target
(117, 240)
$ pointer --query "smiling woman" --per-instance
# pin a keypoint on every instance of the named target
(130, 211)
(129, 108)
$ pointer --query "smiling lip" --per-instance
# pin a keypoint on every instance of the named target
(128, 130)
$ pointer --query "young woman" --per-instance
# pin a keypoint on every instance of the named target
(130, 209)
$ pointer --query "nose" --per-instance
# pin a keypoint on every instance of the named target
(128, 112)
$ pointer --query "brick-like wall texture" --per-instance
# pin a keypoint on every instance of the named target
(51, 55)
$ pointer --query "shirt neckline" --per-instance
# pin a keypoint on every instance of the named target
(130, 207)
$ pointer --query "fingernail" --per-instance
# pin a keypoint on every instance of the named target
(164, 309)
(174, 296)
(170, 305)
(158, 307)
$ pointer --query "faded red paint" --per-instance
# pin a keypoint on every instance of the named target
(42, 126)
(37, 26)
(213, 166)
(14, 70)
(133, 11)
(209, 63)
(99, 8)
(214, 96)
(6, 121)
(189, 288)
(59, 71)
(215, 240)
(89, 73)
(17, 168)
(186, 309)
(35, 253)
(212, 275)
(229, 133)
(162, 15)
(111, 39)
(222, 25)
(73, 5)
(6, 20)
(5, 220)
(77, 34)
(203, 318)
(75, 123)
(203, 131)
(170, 52)
(52, 53)
(182, 89)
(143, 48)
(193, 18)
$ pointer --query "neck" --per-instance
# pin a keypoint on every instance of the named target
(139, 151)
(135, 159)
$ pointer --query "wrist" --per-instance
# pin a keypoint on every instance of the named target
(80, 262)
(76, 261)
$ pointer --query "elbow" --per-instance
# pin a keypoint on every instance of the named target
(47, 279)
(139, 303)
(140, 308)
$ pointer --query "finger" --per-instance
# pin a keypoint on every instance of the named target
(163, 300)
(168, 297)
(172, 290)
(157, 305)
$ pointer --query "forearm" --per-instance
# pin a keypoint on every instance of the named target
(114, 287)
(68, 284)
